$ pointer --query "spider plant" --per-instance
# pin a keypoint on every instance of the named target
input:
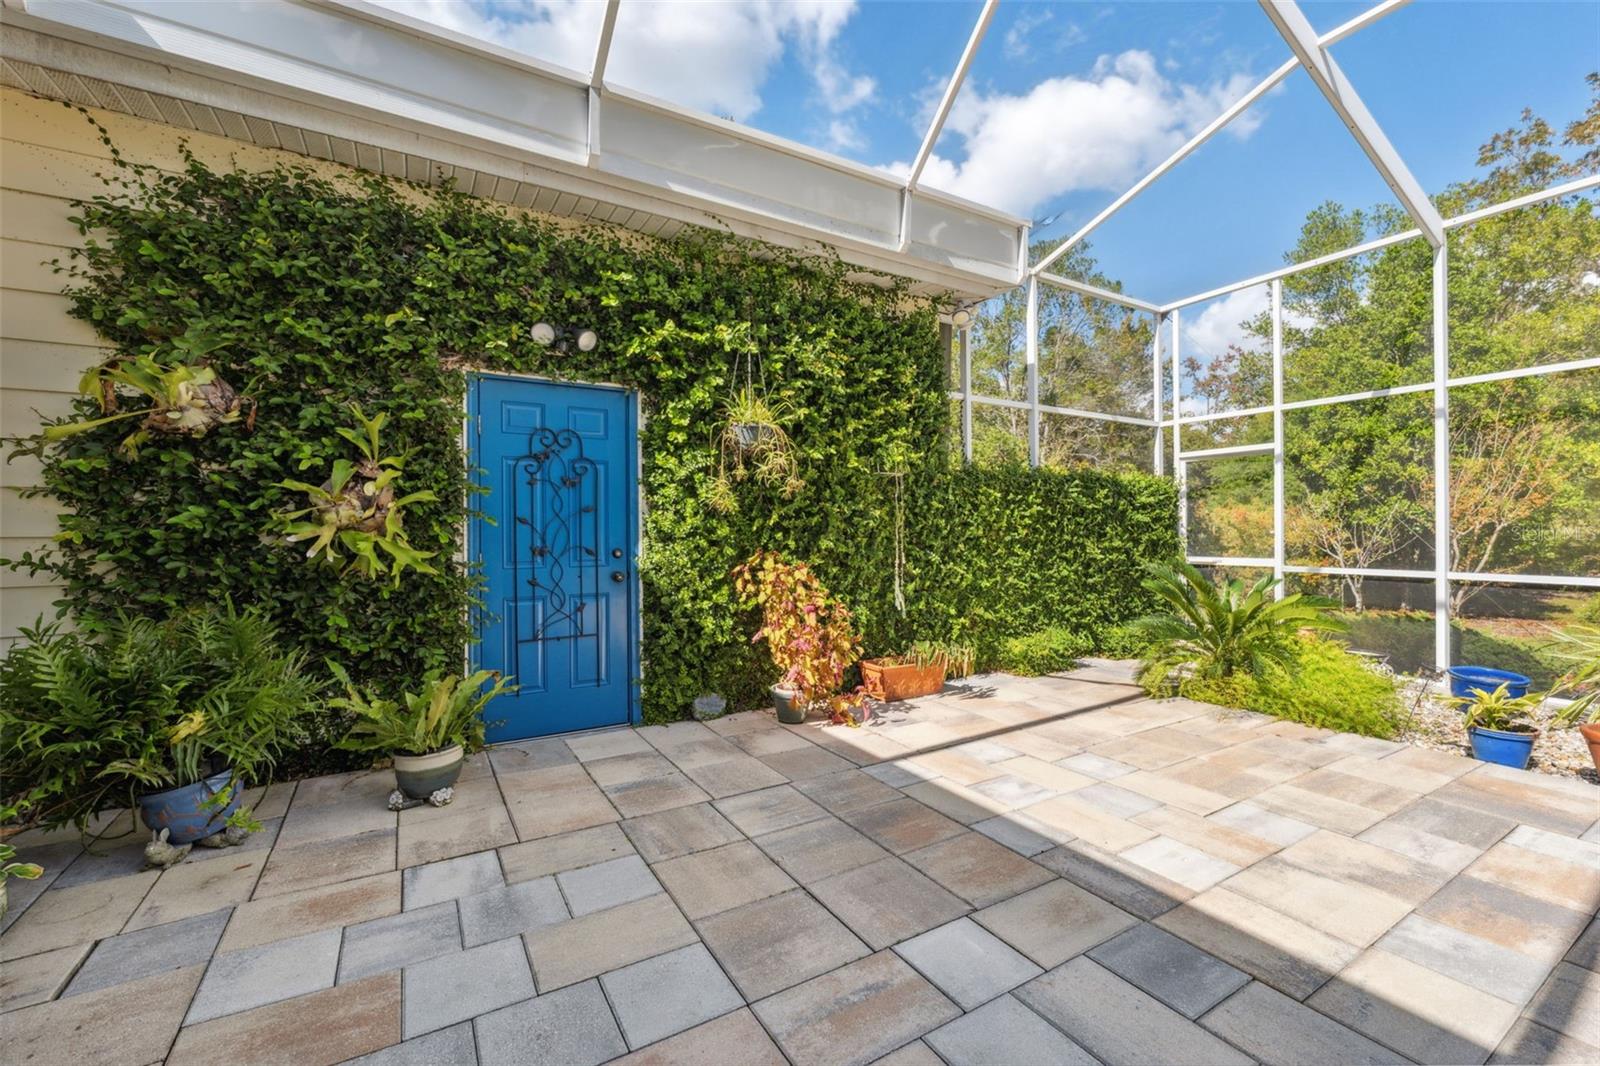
(754, 444)
(357, 508)
(1217, 631)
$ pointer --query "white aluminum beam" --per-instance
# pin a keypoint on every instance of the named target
(1215, 126)
(1575, 581)
(1032, 367)
(951, 90)
(1262, 562)
(1441, 458)
(1264, 448)
(1278, 470)
(1555, 192)
(602, 51)
(1108, 295)
(1293, 27)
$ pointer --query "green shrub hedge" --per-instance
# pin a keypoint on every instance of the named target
(1044, 652)
(322, 292)
(1328, 688)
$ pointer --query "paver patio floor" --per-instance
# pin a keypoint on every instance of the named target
(1049, 870)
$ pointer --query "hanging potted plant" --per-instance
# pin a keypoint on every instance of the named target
(174, 718)
(1500, 725)
(808, 632)
(920, 671)
(428, 733)
(357, 508)
(754, 443)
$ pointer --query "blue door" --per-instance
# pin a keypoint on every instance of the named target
(559, 463)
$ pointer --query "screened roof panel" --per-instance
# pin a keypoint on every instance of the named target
(1443, 78)
(1238, 205)
(562, 32)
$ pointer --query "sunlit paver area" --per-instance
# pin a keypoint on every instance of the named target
(1046, 870)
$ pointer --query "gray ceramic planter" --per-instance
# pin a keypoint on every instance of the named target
(420, 776)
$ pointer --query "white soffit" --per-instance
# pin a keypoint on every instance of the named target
(355, 84)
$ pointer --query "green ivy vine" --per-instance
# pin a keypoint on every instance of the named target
(322, 293)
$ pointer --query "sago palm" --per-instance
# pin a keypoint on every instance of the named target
(1217, 631)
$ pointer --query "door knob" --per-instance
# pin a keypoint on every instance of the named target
(618, 576)
(616, 553)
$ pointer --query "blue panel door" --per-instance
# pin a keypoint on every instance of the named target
(558, 461)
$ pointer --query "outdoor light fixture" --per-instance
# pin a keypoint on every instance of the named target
(960, 318)
(545, 335)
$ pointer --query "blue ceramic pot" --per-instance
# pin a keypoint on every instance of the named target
(185, 810)
(1463, 679)
(1506, 749)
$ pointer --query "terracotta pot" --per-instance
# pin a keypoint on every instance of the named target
(1591, 736)
(888, 681)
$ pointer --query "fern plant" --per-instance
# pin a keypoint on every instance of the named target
(90, 721)
(447, 710)
(357, 509)
(1214, 632)
(755, 444)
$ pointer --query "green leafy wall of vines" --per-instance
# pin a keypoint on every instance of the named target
(328, 291)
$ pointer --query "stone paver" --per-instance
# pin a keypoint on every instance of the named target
(452, 1045)
(399, 940)
(319, 1029)
(778, 942)
(325, 907)
(758, 813)
(717, 880)
(1054, 922)
(567, 952)
(572, 1026)
(710, 1042)
(42, 978)
(887, 901)
(1278, 1031)
(1096, 1007)
(1385, 900)
(1005, 1033)
(451, 879)
(967, 962)
(146, 952)
(239, 980)
(607, 884)
(125, 1025)
(977, 869)
(855, 1014)
(903, 825)
(451, 988)
(1569, 1003)
(669, 993)
(680, 831)
(566, 851)
(1414, 1010)
(1177, 973)
(819, 849)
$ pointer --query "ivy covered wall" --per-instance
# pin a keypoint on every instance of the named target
(317, 293)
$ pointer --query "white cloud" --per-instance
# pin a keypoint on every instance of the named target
(1100, 131)
(712, 56)
(843, 136)
(1028, 30)
(1222, 322)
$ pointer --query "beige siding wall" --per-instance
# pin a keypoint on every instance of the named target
(50, 155)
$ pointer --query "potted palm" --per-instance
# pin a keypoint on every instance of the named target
(1500, 725)
(173, 717)
(427, 733)
(808, 632)
(1580, 645)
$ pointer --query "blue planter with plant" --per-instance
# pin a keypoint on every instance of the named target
(1464, 680)
(1500, 725)
(1505, 748)
(191, 812)
(174, 717)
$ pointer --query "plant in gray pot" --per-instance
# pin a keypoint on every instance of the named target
(427, 733)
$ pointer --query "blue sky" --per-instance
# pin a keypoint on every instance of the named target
(1068, 103)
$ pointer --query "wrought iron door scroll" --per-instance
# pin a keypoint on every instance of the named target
(563, 479)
